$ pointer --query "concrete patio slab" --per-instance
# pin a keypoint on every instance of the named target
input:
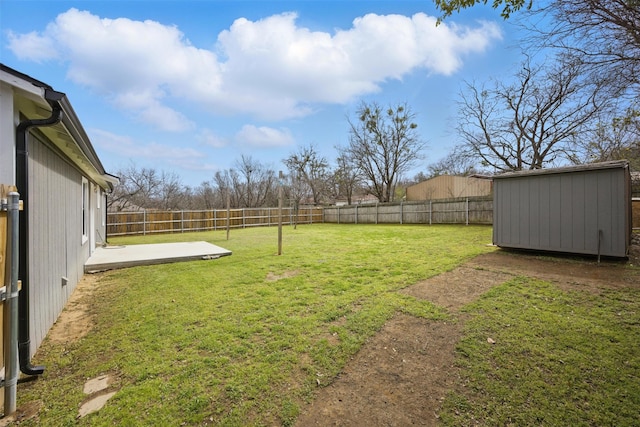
(114, 257)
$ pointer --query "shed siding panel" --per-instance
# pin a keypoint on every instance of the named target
(605, 196)
(543, 209)
(591, 202)
(555, 213)
(524, 236)
(617, 211)
(55, 249)
(566, 211)
(579, 211)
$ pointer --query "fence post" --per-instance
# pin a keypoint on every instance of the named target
(401, 212)
(356, 221)
(467, 212)
(182, 221)
(376, 212)
(144, 222)
(430, 211)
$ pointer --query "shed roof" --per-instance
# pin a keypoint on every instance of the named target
(614, 164)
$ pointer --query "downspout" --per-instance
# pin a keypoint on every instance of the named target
(22, 182)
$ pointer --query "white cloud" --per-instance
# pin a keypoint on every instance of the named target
(126, 146)
(209, 138)
(32, 46)
(264, 137)
(270, 68)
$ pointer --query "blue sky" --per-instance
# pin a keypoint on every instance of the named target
(190, 86)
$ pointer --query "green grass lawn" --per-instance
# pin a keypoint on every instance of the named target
(559, 358)
(245, 339)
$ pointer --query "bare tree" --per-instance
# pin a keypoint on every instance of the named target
(454, 163)
(531, 123)
(295, 190)
(603, 35)
(384, 144)
(347, 176)
(171, 193)
(224, 187)
(204, 196)
(253, 182)
(311, 169)
(614, 138)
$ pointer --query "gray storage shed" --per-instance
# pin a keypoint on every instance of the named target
(582, 209)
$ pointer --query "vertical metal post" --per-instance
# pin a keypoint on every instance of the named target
(280, 183)
(430, 211)
(144, 222)
(401, 213)
(228, 213)
(356, 214)
(11, 305)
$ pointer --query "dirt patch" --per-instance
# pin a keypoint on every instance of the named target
(26, 412)
(458, 287)
(584, 274)
(400, 377)
(271, 277)
(75, 321)
(384, 385)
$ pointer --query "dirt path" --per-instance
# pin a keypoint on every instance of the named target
(400, 377)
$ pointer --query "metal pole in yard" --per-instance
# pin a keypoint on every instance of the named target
(11, 306)
(228, 214)
(280, 183)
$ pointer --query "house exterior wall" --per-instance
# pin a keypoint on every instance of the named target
(582, 211)
(56, 246)
(448, 186)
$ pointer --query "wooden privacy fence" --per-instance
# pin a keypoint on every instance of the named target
(471, 210)
(150, 222)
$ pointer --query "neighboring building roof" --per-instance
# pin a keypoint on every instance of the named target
(449, 186)
(68, 135)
